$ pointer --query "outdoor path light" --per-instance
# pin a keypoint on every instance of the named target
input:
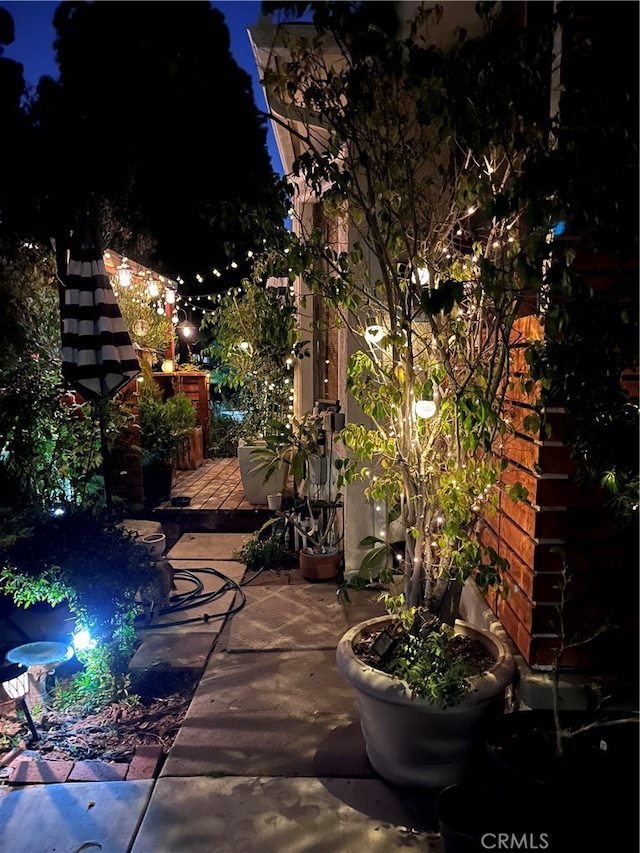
(15, 683)
(41, 659)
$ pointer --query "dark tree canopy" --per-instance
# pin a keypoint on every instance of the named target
(12, 121)
(152, 126)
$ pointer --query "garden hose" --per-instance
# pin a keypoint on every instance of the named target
(196, 598)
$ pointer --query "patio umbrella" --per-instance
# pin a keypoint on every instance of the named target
(98, 358)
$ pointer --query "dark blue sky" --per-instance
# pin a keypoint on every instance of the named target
(33, 46)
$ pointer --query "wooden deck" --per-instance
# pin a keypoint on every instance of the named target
(214, 486)
(217, 502)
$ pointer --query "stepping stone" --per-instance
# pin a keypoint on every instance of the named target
(164, 650)
(208, 546)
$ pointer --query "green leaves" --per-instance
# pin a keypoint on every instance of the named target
(518, 492)
(430, 667)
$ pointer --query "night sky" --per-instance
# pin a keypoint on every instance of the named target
(33, 46)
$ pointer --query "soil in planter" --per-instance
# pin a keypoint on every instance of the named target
(471, 651)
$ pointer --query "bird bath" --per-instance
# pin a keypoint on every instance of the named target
(41, 659)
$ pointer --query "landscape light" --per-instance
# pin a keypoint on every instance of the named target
(15, 682)
(81, 640)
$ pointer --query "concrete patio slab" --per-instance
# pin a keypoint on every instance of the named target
(243, 815)
(271, 714)
(166, 650)
(230, 568)
(288, 618)
(89, 816)
(208, 546)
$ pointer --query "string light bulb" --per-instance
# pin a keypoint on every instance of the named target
(373, 334)
(425, 408)
(421, 276)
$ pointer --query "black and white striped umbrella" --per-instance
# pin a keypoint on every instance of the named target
(98, 358)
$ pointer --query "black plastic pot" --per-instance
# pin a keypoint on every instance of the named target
(589, 795)
(463, 819)
(156, 483)
(472, 820)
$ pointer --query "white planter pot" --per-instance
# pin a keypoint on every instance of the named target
(155, 544)
(274, 501)
(256, 488)
(412, 741)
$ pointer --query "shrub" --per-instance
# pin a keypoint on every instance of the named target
(224, 433)
(95, 566)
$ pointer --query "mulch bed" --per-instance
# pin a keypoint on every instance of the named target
(111, 734)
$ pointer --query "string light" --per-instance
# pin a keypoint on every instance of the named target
(425, 408)
(421, 276)
(373, 334)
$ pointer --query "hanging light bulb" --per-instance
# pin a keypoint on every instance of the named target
(373, 334)
(124, 277)
(170, 296)
(425, 408)
(421, 276)
(153, 289)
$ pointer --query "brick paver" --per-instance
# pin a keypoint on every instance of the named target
(97, 771)
(145, 763)
(30, 772)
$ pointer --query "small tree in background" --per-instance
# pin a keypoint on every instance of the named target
(253, 336)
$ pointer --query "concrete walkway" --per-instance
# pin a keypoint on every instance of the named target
(269, 758)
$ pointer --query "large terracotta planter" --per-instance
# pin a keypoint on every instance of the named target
(255, 487)
(412, 741)
(319, 567)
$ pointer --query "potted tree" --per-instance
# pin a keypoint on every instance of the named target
(253, 335)
(303, 448)
(443, 250)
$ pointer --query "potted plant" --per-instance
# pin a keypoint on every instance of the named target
(253, 335)
(573, 756)
(441, 252)
(162, 434)
(303, 448)
(424, 691)
(183, 418)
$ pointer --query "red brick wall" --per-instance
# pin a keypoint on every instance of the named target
(558, 516)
